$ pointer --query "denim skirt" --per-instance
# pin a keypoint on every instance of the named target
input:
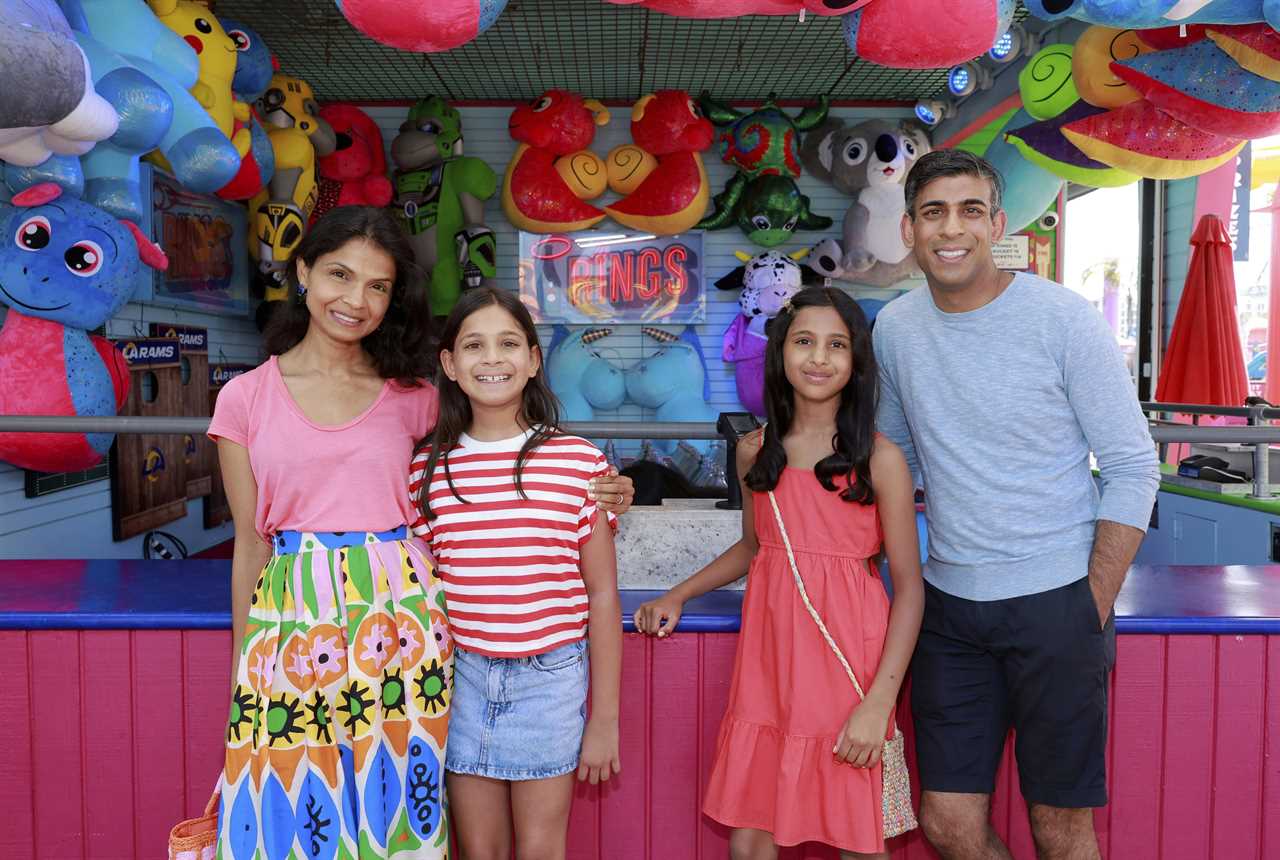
(518, 718)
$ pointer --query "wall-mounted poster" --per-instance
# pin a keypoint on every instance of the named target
(205, 240)
(598, 277)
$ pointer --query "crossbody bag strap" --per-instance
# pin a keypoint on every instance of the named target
(804, 596)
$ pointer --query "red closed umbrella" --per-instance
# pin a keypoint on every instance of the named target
(1204, 362)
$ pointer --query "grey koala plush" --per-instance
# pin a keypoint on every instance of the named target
(869, 162)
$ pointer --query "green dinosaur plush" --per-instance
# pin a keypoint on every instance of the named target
(441, 194)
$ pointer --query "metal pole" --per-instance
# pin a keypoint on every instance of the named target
(177, 425)
(1261, 469)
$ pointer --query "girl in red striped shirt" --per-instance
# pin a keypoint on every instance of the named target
(530, 580)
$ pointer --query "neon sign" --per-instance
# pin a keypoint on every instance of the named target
(603, 277)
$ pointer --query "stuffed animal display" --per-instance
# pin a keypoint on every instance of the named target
(48, 103)
(767, 281)
(672, 381)
(553, 171)
(278, 214)
(440, 192)
(201, 156)
(761, 198)
(355, 173)
(65, 268)
(254, 69)
(867, 161)
(664, 181)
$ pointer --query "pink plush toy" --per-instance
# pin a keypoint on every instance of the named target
(355, 173)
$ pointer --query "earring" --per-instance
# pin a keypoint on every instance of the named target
(302, 293)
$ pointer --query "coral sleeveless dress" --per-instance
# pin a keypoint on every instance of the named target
(774, 769)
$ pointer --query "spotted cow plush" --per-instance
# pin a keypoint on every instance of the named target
(766, 282)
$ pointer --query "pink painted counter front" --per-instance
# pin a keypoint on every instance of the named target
(117, 676)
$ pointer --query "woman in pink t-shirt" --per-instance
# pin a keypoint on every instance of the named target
(343, 664)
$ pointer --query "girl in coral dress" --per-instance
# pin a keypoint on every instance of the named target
(798, 755)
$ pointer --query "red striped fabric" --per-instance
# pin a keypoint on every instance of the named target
(510, 565)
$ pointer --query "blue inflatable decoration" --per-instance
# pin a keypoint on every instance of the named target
(1028, 189)
(583, 379)
(1150, 14)
(146, 114)
(65, 269)
(202, 157)
(673, 381)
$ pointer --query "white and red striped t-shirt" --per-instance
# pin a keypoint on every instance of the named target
(510, 566)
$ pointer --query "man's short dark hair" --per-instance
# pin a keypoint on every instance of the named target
(951, 162)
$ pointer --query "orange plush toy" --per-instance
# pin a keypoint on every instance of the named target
(662, 174)
(553, 172)
(355, 173)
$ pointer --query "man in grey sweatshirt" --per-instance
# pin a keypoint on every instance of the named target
(997, 387)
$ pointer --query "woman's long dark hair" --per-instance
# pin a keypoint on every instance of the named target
(400, 347)
(855, 417)
(539, 408)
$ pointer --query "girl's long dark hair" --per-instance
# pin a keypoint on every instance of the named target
(539, 408)
(855, 417)
(400, 348)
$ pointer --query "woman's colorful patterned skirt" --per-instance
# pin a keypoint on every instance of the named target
(336, 737)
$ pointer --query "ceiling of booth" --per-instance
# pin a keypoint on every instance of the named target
(592, 47)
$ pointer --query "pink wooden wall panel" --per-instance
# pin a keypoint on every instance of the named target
(109, 737)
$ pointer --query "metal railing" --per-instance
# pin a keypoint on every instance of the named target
(174, 424)
(1258, 435)
(1261, 437)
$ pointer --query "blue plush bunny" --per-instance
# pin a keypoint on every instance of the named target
(65, 269)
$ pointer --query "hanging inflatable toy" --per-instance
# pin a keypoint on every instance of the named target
(1091, 58)
(925, 34)
(1202, 86)
(278, 214)
(48, 104)
(1141, 139)
(1164, 38)
(1043, 144)
(201, 156)
(111, 176)
(422, 27)
(1046, 82)
(584, 381)
(355, 173)
(254, 68)
(440, 193)
(552, 171)
(673, 381)
(672, 197)
(1150, 14)
(736, 8)
(767, 281)
(762, 198)
(65, 269)
(869, 162)
(1029, 189)
(1256, 47)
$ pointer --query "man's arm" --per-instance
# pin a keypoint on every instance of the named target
(1103, 398)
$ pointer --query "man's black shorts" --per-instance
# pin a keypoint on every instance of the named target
(1039, 664)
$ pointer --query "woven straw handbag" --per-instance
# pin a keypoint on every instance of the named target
(898, 815)
(196, 838)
